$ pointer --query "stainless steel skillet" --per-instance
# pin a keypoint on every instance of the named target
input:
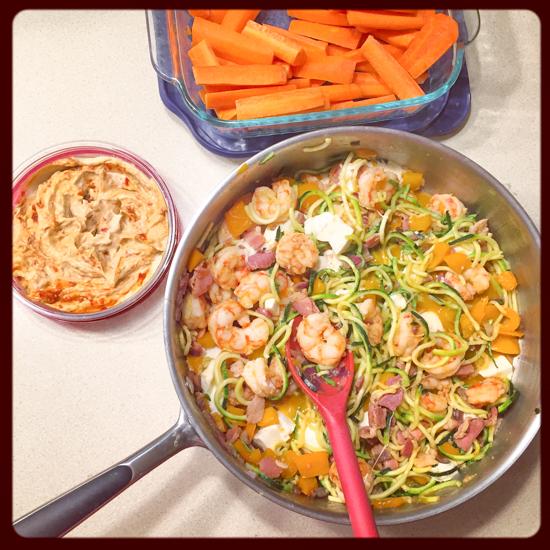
(445, 171)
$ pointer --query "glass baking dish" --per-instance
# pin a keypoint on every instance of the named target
(169, 34)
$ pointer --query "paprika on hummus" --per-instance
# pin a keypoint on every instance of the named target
(89, 235)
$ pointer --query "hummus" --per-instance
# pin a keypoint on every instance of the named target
(89, 234)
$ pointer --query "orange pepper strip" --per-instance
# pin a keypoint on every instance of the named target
(270, 417)
(312, 464)
(506, 344)
(307, 485)
(458, 262)
(511, 321)
(439, 252)
(507, 280)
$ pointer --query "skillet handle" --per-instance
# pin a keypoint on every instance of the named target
(60, 515)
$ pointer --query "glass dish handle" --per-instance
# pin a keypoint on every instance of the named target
(162, 53)
(472, 21)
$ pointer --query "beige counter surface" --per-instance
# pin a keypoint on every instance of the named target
(87, 396)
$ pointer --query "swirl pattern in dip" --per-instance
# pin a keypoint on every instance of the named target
(89, 235)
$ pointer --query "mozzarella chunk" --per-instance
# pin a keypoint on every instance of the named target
(272, 436)
(433, 321)
(502, 369)
(329, 228)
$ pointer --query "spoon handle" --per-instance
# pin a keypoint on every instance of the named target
(357, 500)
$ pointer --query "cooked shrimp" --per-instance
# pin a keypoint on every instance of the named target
(365, 469)
(286, 198)
(263, 379)
(273, 203)
(245, 338)
(447, 369)
(486, 392)
(217, 294)
(465, 289)
(319, 341)
(236, 368)
(194, 310)
(479, 278)
(433, 402)
(446, 202)
(252, 287)
(374, 186)
(433, 383)
(256, 284)
(425, 459)
(228, 266)
(372, 316)
(407, 335)
(296, 253)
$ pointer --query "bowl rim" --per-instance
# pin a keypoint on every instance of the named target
(48, 155)
(194, 415)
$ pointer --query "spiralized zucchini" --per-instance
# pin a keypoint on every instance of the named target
(419, 296)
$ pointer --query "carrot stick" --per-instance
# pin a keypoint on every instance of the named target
(300, 82)
(173, 44)
(226, 100)
(390, 71)
(281, 103)
(315, 82)
(285, 66)
(338, 51)
(202, 55)
(342, 92)
(401, 39)
(364, 67)
(381, 20)
(226, 114)
(394, 50)
(425, 13)
(230, 44)
(309, 44)
(327, 17)
(362, 102)
(371, 85)
(235, 20)
(241, 75)
(284, 48)
(217, 15)
(199, 13)
(331, 68)
(438, 34)
(222, 61)
(341, 36)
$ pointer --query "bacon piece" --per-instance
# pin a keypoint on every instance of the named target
(372, 241)
(377, 415)
(491, 420)
(254, 238)
(475, 427)
(391, 400)
(407, 449)
(196, 349)
(201, 280)
(261, 260)
(232, 434)
(255, 410)
(465, 370)
(269, 467)
(305, 306)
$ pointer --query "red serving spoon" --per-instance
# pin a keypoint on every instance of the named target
(331, 403)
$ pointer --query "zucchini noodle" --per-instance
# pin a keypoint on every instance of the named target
(418, 291)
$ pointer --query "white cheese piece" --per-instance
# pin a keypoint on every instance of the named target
(248, 250)
(433, 321)
(503, 368)
(270, 234)
(212, 353)
(272, 306)
(276, 434)
(329, 260)
(398, 300)
(329, 228)
(364, 421)
(311, 441)
(207, 382)
(440, 468)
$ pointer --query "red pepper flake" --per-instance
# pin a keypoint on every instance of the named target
(126, 182)
(141, 277)
(34, 216)
(103, 229)
(142, 236)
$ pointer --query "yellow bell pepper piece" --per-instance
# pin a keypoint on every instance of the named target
(421, 222)
(458, 262)
(195, 259)
(414, 179)
(270, 417)
(312, 464)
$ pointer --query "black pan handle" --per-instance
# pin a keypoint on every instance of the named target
(60, 515)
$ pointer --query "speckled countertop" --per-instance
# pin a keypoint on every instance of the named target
(87, 396)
